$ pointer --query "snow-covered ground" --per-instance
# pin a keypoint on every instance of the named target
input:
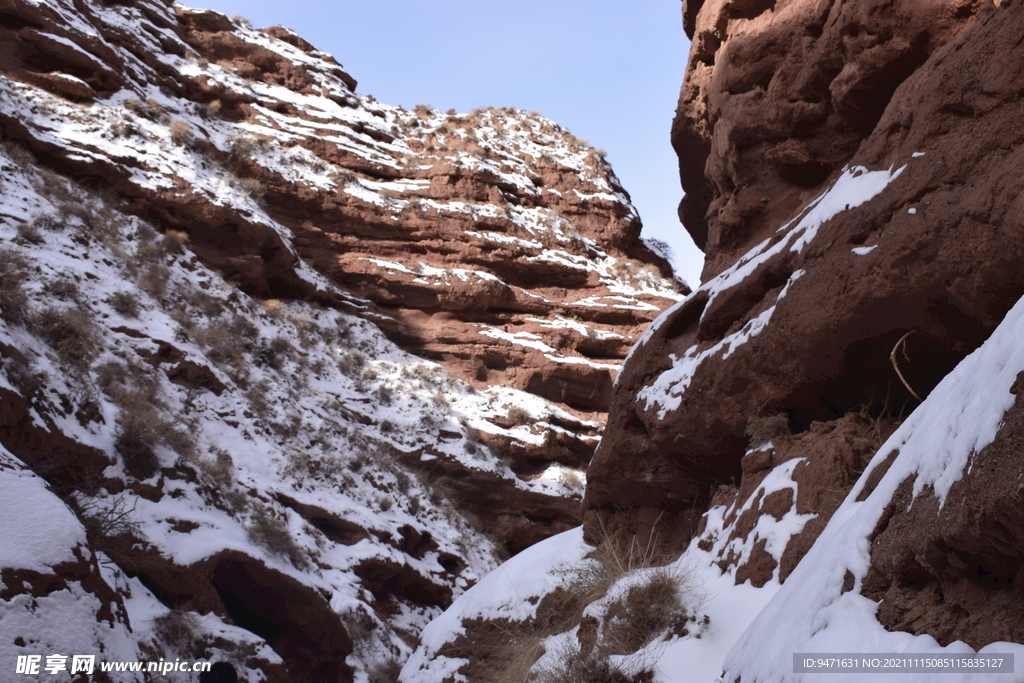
(299, 403)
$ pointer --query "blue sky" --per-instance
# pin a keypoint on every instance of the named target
(608, 71)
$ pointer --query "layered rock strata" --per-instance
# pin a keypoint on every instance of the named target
(494, 242)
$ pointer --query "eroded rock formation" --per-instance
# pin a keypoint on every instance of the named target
(494, 242)
(853, 174)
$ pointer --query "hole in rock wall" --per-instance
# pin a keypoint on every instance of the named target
(863, 377)
(294, 619)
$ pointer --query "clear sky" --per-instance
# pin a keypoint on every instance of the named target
(607, 70)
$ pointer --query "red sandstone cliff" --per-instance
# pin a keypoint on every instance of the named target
(852, 170)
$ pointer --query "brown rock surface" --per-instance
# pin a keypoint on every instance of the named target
(779, 96)
(954, 571)
(193, 212)
(493, 242)
(831, 457)
(803, 317)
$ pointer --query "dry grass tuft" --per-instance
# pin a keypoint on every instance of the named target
(125, 302)
(181, 134)
(271, 532)
(519, 416)
(761, 430)
(180, 630)
(69, 332)
(13, 274)
(134, 441)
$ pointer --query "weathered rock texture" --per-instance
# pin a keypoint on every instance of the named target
(494, 242)
(853, 172)
(954, 572)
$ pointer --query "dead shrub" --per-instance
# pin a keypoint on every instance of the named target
(219, 342)
(150, 109)
(31, 384)
(519, 416)
(213, 109)
(69, 332)
(134, 441)
(174, 242)
(142, 427)
(272, 353)
(252, 188)
(62, 288)
(275, 307)
(13, 274)
(221, 468)
(593, 668)
(109, 517)
(180, 630)
(648, 609)
(154, 279)
(241, 147)
(352, 363)
(385, 672)
(271, 532)
(761, 430)
(572, 478)
(28, 232)
(305, 464)
(181, 134)
(47, 221)
(125, 302)
(112, 378)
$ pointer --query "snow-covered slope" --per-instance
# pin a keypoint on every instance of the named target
(493, 241)
(215, 259)
(291, 435)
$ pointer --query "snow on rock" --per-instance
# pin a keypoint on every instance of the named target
(42, 532)
(226, 435)
(433, 225)
(207, 336)
(934, 447)
(53, 596)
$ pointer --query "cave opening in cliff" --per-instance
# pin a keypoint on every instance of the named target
(295, 621)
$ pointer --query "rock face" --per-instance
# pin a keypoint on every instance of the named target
(216, 259)
(853, 174)
(494, 242)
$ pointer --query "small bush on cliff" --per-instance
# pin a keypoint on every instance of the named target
(69, 332)
(13, 273)
(761, 430)
(181, 134)
(150, 109)
(573, 668)
(271, 532)
(134, 442)
(109, 517)
(180, 630)
(125, 302)
(252, 188)
(519, 416)
(647, 609)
